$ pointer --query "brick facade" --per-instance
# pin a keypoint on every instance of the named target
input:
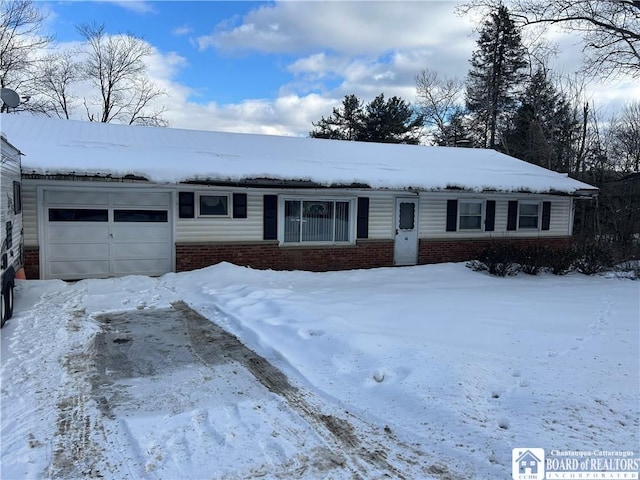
(365, 254)
(32, 263)
(441, 251)
(268, 255)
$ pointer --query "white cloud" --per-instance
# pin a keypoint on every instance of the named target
(338, 48)
(287, 115)
(364, 48)
(318, 65)
(346, 26)
(138, 6)
(181, 31)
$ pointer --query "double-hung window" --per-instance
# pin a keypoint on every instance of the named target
(470, 213)
(528, 215)
(317, 221)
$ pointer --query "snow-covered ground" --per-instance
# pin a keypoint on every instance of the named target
(422, 372)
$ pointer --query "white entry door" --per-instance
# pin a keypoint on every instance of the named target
(406, 233)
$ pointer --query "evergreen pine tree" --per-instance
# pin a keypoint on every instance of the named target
(544, 127)
(391, 121)
(345, 123)
(455, 133)
(495, 76)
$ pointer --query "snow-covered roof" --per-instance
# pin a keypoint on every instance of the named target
(169, 155)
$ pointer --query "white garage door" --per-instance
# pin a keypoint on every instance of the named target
(98, 233)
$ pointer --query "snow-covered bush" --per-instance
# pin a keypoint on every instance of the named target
(498, 259)
(594, 257)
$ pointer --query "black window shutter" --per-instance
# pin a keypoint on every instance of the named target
(270, 217)
(452, 215)
(363, 217)
(239, 205)
(512, 215)
(186, 205)
(546, 215)
(490, 216)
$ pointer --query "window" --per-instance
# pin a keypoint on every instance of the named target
(528, 215)
(78, 215)
(326, 221)
(407, 220)
(155, 216)
(470, 215)
(17, 197)
(213, 205)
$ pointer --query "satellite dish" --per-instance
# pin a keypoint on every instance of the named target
(10, 98)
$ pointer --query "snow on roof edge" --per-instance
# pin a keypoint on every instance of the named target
(167, 155)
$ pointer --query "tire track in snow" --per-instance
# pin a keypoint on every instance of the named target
(352, 443)
(76, 453)
(66, 434)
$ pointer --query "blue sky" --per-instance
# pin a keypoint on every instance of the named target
(275, 67)
(175, 26)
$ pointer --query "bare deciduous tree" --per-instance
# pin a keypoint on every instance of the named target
(624, 138)
(20, 40)
(610, 28)
(115, 66)
(54, 84)
(439, 99)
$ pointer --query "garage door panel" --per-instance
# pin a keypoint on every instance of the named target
(77, 233)
(75, 251)
(142, 266)
(159, 199)
(141, 233)
(141, 251)
(91, 234)
(74, 270)
(68, 197)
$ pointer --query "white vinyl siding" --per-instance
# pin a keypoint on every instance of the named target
(250, 229)
(561, 216)
(29, 214)
(381, 215)
(433, 216)
(431, 222)
(224, 229)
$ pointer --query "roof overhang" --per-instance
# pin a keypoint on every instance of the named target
(266, 182)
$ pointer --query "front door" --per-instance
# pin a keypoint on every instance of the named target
(406, 232)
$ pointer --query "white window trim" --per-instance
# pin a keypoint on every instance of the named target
(539, 223)
(213, 194)
(319, 198)
(482, 214)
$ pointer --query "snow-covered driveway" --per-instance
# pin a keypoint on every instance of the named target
(227, 372)
(127, 371)
(166, 393)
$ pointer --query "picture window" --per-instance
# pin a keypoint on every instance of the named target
(213, 205)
